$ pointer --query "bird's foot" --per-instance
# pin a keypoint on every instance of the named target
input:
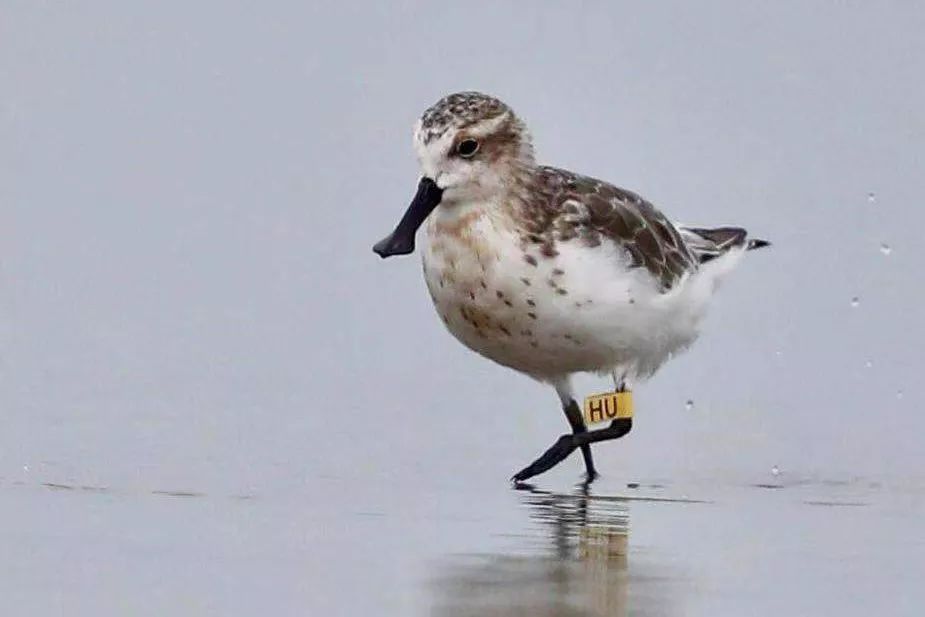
(558, 452)
(590, 477)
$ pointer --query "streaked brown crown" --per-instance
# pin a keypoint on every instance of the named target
(457, 111)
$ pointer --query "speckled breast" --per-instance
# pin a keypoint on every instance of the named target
(468, 263)
(490, 294)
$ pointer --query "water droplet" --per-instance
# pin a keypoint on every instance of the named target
(25, 468)
(871, 198)
(775, 470)
(869, 364)
(689, 405)
(899, 394)
(885, 248)
(855, 301)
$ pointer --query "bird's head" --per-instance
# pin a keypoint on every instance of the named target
(471, 147)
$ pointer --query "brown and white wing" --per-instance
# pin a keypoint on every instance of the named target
(592, 211)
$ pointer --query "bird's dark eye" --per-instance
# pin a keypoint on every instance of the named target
(467, 148)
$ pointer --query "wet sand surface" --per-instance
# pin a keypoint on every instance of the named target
(788, 546)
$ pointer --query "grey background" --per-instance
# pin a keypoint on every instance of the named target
(189, 302)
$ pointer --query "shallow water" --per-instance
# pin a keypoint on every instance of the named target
(216, 400)
(789, 547)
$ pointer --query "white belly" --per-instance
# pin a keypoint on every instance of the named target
(549, 316)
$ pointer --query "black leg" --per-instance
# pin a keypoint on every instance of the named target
(566, 444)
(573, 414)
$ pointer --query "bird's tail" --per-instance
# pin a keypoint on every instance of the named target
(707, 244)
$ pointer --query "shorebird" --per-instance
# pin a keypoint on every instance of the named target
(550, 272)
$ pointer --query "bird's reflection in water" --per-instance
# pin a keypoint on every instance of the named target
(579, 566)
(598, 529)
